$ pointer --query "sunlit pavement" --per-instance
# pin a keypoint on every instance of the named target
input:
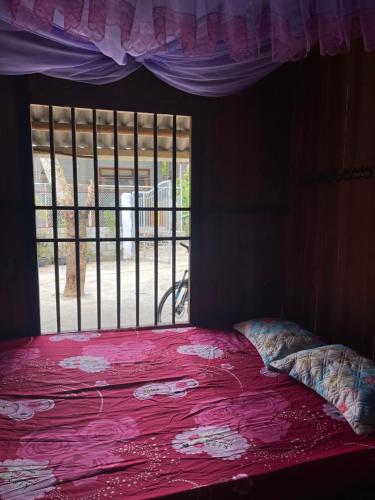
(68, 306)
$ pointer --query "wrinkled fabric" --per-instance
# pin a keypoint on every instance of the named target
(205, 47)
(140, 414)
(25, 53)
(341, 376)
(276, 338)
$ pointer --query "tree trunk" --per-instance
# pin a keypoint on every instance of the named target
(70, 289)
(64, 197)
(83, 223)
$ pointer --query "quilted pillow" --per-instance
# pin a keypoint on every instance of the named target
(269, 326)
(274, 339)
(342, 377)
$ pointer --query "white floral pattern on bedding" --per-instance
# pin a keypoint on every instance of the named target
(173, 389)
(88, 364)
(201, 350)
(25, 479)
(24, 409)
(218, 442)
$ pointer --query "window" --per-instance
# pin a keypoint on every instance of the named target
(126, 176)
(112, 201)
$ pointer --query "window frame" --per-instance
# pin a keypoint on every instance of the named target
(96, 208)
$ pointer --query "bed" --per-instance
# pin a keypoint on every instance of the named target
(185, 412)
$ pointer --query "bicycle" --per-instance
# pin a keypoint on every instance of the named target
(181, 288)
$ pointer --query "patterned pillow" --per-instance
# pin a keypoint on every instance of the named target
(270, 326)
(342, 377)
(274, 339)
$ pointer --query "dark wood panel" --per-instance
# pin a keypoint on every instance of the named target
(240, 204)
(19, 315)
(330, 281)
(240, 159)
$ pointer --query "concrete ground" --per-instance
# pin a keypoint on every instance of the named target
(68, 306)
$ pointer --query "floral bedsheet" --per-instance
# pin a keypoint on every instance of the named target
(150, 413)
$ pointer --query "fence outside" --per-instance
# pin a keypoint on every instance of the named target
(43, 197)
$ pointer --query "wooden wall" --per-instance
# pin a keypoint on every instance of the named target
(239, 184)
(264, 243)
(19, 301)
(330, 268)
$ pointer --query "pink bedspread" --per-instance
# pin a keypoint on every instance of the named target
(159, 412)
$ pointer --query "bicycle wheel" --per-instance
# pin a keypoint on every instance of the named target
(181, 304)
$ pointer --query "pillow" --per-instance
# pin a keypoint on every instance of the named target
(342, 377)
(270, 326)
(274, 339)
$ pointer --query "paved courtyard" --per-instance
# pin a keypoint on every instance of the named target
(108, 292)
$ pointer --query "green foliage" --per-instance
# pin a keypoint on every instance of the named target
(164, 168)
(183, 188)
(110, 219)
(185, 182)
(186, 188)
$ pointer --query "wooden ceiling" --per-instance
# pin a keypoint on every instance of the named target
(105, 133)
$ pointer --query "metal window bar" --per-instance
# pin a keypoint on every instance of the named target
(81, 207)
(54, 216)
(174, 178)
(76, 217)
(148, 208)
(97, 221)
(117, 211)
(156, 221)
(136, 215)
(109, 240)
